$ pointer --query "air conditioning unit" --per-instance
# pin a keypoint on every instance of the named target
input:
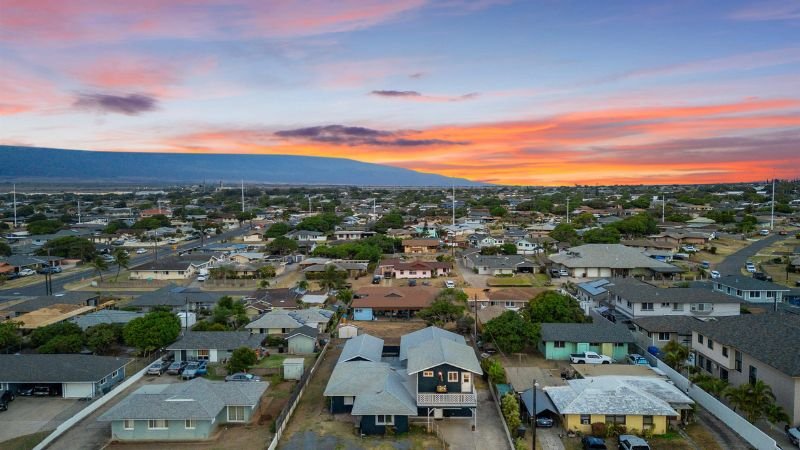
(438, 413)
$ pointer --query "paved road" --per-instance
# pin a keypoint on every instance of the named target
(59, 282)
(733, 264)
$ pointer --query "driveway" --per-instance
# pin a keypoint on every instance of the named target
(470, 277)
(734, 263)
(724, 436)
(489, 433)
(28, 415)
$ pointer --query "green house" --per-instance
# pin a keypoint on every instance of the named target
(559, 340)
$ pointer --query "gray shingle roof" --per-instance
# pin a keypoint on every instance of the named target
(377, 388)
(410, 340)
(275, 319)
(364, 346)
(305, 330)
(617, 396)
(220, 340)
(105, 316)
(772, 338)
(175, 296)
(197, 399)
(600, 331)
(60, 368)
(439, 351)
(615, 256)
(749, 283)
(637, 291)
(668, 324)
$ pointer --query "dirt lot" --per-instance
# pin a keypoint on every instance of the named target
(390, 329)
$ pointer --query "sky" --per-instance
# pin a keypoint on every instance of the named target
(531, 92)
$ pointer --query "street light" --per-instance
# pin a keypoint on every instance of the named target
(535, 387)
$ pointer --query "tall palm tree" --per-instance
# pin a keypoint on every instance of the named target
(302, 285)
(99, 265)
(776, 414)
(737, 396)
(761, 397)
(121, 259)
(675, 355)
(330, 279)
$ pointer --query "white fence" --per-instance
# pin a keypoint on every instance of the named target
(82, 414)
(737, 423)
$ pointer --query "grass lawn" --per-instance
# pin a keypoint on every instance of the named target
(701, 437)
(517, 281)
(272, 361)
(26, 442)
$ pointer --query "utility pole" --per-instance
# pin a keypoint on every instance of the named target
(79, 210)
(15, 206)
(567, 209)
(535, 386)
(242, 194)
(772, 218)
(663, 207)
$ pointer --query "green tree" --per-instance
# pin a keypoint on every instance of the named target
(277, 229)
(99, 265)
(42, 335)
(494, 370)
(511, 332)
(345, 296)
(267, 271)
(776, 414)
(510, 407)
(748, 224)
(444, 309)
(151, 223)
(552, 307)
(153, 331)
(639, 225)
(605, 235)
(241, 360)
(393, 219)
(47, 226)
(5, 249)
(675, 355)
(282, 246)
(69, 247)
(564, 232)
(332, 278)
(498, 211)
(101, 338)
(583, 220)
(508, 249)
(121, 259)
(9, 334)
(72, 343)
(324, 222)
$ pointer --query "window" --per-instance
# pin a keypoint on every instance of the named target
(559, 344)
(189, 424)
(348, 400)
(157, 424)
(738, 292)
(381, 419)
(647, 422)
(586, 419)
(663, 336)
(647, 306)
(724, 351)
(114, 374)
(710, 344)
(723, 374)
(700, 338)
(510, 304)
(127, 424)
(755, 294)
(619, 420)
(629, 305)
(452, 377)
(737, 356)
(427, 374)
(620, 344)
(594, 344)
(235, 413)
(753, 375)
(665, 305)
(203, 354)
(708, 365)
(104, 380)
(770, 294)
(677, 306)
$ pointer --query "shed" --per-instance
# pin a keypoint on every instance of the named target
(302, 340)
(347, 331)
(293, 368)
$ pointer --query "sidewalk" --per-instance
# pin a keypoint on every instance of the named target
(775, 433)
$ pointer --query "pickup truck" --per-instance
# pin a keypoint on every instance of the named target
(589, 358)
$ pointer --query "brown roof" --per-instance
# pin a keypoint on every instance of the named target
(515, 293)
(381, 297)
(399, 264)
(421, 242)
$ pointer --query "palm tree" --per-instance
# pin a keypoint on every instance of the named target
(99, 265)
(301, 285)
(710, 384)
(121, 259)
(776, 414)
(761, 397)
(331, 278)
(737, 396)
(675, 355)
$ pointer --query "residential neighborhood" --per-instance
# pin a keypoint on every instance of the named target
(462, 318)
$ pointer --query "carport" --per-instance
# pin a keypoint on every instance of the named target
(67, 375)
(544, 406)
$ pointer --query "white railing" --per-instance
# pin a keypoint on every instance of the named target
(457, 399)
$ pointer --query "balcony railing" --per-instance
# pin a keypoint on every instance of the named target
(441, 400)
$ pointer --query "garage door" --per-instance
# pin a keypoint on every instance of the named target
(78, 390)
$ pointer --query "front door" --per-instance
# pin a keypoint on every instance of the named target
(466, 382)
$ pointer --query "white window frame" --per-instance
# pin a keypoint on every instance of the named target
(203, 354)
(189, 424)
(382, 419)
(452, 377)
(661, 334)
(152, 424)
(126, 422)
(115, 373)
(235, 408)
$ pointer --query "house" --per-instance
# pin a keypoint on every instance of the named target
(512, 298)
(372, 302)
(280, 298)
(253, 237)
(212, 346)
(176, 297)
(19, 262)
(67, 375)
(592, 291)
(397, 268)
(352, 235)
(281, 322)
(641, 403)
(526, 247)
(432, 379)
(306, 235)
(247, 257)
(609, 260)
(682, 237)
(172, 268)
(421, 246)
(750, 289)
(559, 340)
(496, 265)
(302, 340)
(635, 298)
(660, 330)
(350, 268)
(188, 411)
(651, 245)
(145, 213)
(753, 347)
(480, 240)
(109, 316)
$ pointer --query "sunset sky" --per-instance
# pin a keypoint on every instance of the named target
(529, 92)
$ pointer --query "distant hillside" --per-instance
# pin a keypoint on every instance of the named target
(48, 164)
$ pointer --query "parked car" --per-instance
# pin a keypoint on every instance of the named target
(750, 267)
(12, 276)
(412, 282)
(50, 269)
(25, 392)
(631, 442)
(762, 276)
(107, 258)
(194, 369)
(27, 272)
(593, 443)
(544, 422)
(705, 265)
(42, 391)
(637, 360)
(6, 397)
(589, 358)
(715, 274)
(563, 272)
(555, 273)
(690, 249)
(177, 367)
(140, 251)
(793, 434)
(201, 278)
(450, 284)
(158, 368)
(764, 232)
(241, 376)
(376, 279)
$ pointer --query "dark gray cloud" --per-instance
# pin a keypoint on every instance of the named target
(131, 104)
(396, 93)
(354, 136)
(417, 75)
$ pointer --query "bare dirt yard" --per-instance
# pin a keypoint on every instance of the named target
(390, 329)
